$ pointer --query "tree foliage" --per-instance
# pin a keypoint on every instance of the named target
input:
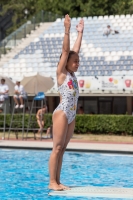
(75, 8)
(22, 10)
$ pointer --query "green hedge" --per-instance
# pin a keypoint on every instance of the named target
(17, 120)
(115, 124)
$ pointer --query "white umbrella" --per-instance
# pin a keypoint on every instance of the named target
(8, 82)
(37, 83)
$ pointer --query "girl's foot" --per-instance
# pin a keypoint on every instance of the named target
(64, 187)
(55, 186)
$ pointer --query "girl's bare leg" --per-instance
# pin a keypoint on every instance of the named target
(41, 125)
(68, 137)
(60, 127)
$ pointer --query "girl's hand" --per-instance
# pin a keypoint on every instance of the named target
(80, 26)
(67, 21)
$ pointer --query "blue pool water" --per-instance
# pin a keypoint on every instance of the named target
(24, 173)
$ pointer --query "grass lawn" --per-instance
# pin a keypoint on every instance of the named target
(103, 138)
(82, 137)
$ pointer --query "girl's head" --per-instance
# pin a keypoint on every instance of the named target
(44, 108)
(72, 62)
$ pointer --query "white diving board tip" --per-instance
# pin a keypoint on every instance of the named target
(109, 192)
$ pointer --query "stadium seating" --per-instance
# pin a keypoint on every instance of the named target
(99, 55)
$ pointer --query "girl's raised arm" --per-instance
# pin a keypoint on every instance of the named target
(80, 28)
(65, 46)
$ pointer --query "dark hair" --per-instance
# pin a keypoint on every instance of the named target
(3, 79)
(81, 107)
(70, 54)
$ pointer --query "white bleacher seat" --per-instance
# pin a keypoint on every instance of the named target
(11, 74)
(35, 65)
(122, 16)
(113, 53)
(5, 70)
(119, 20)
(41, 69)
(117, 16)
(58, 20)
(16, 65)
(106, 17)
(128, 16)
(94, 53)
(121, 24)
(17, 70)
(107, 53)
(11, 70)
(54, 69)
(22, 65)
(89, 18)
(5, 74)
(98, 49)
(85, 18)
(100, 54)
(18, 74)
(24, 69)
(90, 45)
(129, 28)
(11, 65)
(126, 53)
(123, 28)
(73, 19)
(131, 53)
(5, 65)
(100, 18)
(79, 18)
(94, 18)
(115, 25)
(22, 56)
(111, 17)
(22, 60)
(41, 64)
(11, 61)
(30, 69)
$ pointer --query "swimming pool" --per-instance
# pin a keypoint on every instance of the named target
(24, 173)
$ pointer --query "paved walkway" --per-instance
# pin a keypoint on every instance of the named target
(72, 146)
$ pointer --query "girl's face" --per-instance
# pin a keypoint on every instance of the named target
(45, 109)
(73, 63)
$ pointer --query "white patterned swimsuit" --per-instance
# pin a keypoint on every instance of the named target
(69, 94)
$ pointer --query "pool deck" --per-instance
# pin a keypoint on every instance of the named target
(82, 146)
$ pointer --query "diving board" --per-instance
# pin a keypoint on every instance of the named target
(96, 192)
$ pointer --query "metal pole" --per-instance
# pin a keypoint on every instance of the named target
(33, 23)
(23, 114)
(49, 16)
(15, 39)
(4, 47)
(42, 15)
(11, 121)
(29, 119)
(4, 120)
(25, 31)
